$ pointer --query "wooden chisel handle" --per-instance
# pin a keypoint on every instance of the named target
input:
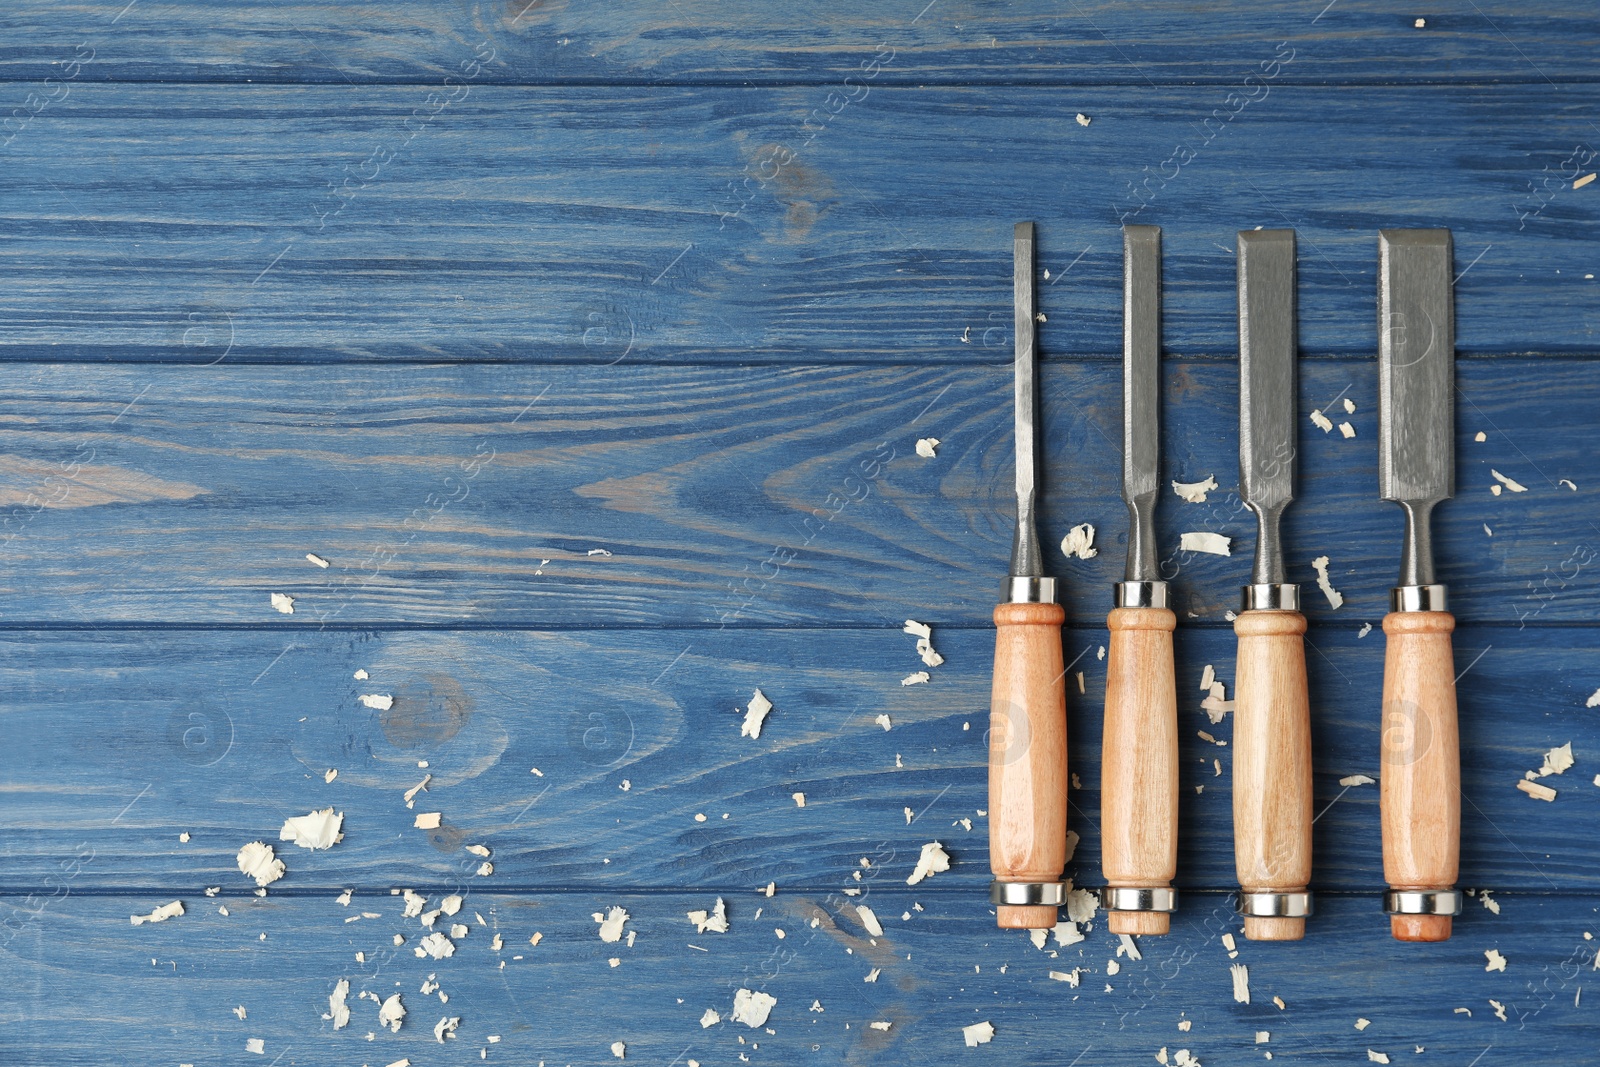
(1272, 768)
(1028, 756)
(1139, 775)
(1419, 792)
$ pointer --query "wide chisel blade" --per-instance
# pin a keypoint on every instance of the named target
(1267, 389)
(1141, 394)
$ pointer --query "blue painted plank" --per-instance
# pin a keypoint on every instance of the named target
(201, 223)
(473, 496)
(83, 978)
(1094, 42)
(127, 740)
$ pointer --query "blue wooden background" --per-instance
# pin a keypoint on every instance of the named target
(589, 345)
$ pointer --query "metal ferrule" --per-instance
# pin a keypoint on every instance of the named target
(1417, 598)
(1028, 894)
(1422, 901)
(1124, 898)
(1275, 905)
(1270, 597)
(1028, 589)
(1140, 594)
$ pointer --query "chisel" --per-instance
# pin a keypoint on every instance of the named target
(1272, 713)
(1139, 780)
(1028, 705)
(1420, 788)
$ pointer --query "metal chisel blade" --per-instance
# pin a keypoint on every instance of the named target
(1267, 386)
(1141, 393)
(1025, 556)
(1416, 367)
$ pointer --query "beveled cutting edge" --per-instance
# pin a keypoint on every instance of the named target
(1267, 392)
(1416, 400)
(1141, 395)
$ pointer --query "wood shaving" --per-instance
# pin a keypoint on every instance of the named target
(320, 829)
(1241, 982)
(1366, 628)
(978, 1034)
(1481, 437)
(919, 678)
(1335, 598)
(1355, 779)
(1489, 902)
(752, 1007)
(159, 915)
(1569, 483)
(480, 850)
(256, 1045)
(611, 924)
(880, 1025)
(312, 557)
(799, 799)
(1212, 543)
(330, 774)
(1510, 483)
(1499, 1010)
(1215, 705)
(1228, 942)
(872, 975)
(338, 1009)
(1321, 421)
(755, 715)
(283, 603)
(1207, 677)
(924, 635)
(1362, 1024)
(926, 447)
(709, 1019)
(257, 860)
(869, 920)
(1084, 120)
(619, 1050)
(446, 1028)
(1557, 760)
(1072, 977)
(1346, 430)
(1129, 946)
(1263, 1037)
(427, 820)
(1113, 967)
(1377, 1057)
(391, 1012)
(883, 721)
(377, 701)
(1496, 962)
(933, 860)
(1537, 791)
(242, 1014)
(715, 920)
(436, 945)
(1079, 542)
(1585, 180)
(1349, 406)
(411, 794)
(1195, 492)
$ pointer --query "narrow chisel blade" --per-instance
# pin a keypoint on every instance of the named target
(1026, 558)
(1141, 393)
(1416, 367)
(1267, 387)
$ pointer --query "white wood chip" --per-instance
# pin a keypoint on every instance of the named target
(1366, 628)
(1349, 406)
(881, 1025)
(611, 923)
(1128, 946)
(446, 1028)
(256, 1045)
(1072, 977)
(933, 860)
(1207, 677)
(755, 715)
(978, 1034)
(883, 721)
(320, 829)
(1362, 1024)
(709, 1019)
(926, 447)
(919, 678)
(1377, 1057)
(436, 945)
(619, 1050)
(872, 975)
(338, 1009)
(1489, 902)
(1113, 968)
(427, 820)
(1594, 700)
(257, 860)
(391, 1012)
(1321, 421)
(1499, 1010)
(1195, 492)
(1079, 542)
(283, 603)
(1496, 962)
(411, 794)
(1537, 791)
(869, 919)
(799, 799)
(1346, 430)
(1335, 598)
(1510, 483)
(1557, 760)
(752, 1007)
(312, 557)
(159, 915)
(377, 701)
(1241, 982)
(1213, 543)
(1579, 183)
(1355, 779)
(480, 850)
(1084, 120)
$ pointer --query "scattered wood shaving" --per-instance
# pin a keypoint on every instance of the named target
(715, 920)
(752, 1007)
(1481, 437)
(1366, 628)
(1346, 430)
(919, 678)
(257, 860)
(755, 715)
(1279, 1002)
(926, 446)
(256, 1045)
(1084, 120)
(1228, 942)
(1594, 700)
(933, 860)
(1537, 791)
(880, 1025)
(883, 721)
(1377, 1057)
(159, 915)
(869, 920)
(377, 701)
(1510, 483)
(390, 1012)
(338, 1009)
(619, 1049)
(320, 829)
(1355, 779)
(872, 975)
(1079, 542)
(709, 1019)
(1496, 962)
(1464, 1011)
(1129, 946)
(1321, 421)
(1081, 904)
(924, 635)
(978, 1034)
(411, 794)
(1489, 902)
(330, 774)
(427, 820)
(1207, 677)
(480, 850)
(1349, 406)
(1113, 967)
(1585, 180)
(1195, 492)
(611, 924)
(1214, 543)
(1335, 598)
(1215, 705)
(283, 603)
(1557, 760)
(316, 559)
(1241, 982)
(1499, 1010)
(1362, 1024)
(1263, 1037)
(1569, 483)
(1081, 690)
(446, 1028)
(436, 945)
(799, 799)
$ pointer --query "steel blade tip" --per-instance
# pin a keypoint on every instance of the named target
(1268, 382)
(1023, 231)
(1416, 366)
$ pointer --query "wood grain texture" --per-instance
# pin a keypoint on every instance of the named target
(1272, 769)
(1028, 756)
(1139, 765)
(563, 1003)
(1420, 792)
(539, 41)
(196, 223)
(127, 740)
(725, 497)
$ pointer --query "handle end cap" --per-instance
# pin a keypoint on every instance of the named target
(1139, 922)
(1026, 916)
(1274, 928)
(1420, 927)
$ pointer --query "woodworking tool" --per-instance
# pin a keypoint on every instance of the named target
(1420, 786)
(1139, 782)
(1028, 705)
(1272, 712)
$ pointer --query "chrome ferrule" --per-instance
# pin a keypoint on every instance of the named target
(1140, 594)
(1422, 901)
(1028, 894)
(1417, 598)
(1270, 597)
(1272, 905)
(1028, 589)
(1126, 898)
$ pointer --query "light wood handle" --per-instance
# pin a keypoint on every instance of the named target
(1419, 793)
(1139, 765)
(1272, 765)
(1028, 756)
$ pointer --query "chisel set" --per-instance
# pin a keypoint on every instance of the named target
(1272, 797)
